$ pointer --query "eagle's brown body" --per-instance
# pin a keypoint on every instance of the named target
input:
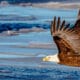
(68, 41)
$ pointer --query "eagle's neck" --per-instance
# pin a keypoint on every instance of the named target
(55, 58)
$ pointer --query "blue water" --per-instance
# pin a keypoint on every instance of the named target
(17, 17)
(21, 55)
(41, 14)
(19, 44)
(56, 72)
(18, 62)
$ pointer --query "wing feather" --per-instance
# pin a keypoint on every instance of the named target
(66, 36)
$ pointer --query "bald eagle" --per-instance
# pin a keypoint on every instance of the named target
(67, 40)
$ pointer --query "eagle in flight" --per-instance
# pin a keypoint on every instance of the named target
(67, 39)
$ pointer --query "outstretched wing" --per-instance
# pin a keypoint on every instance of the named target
(77, 24)
(67, 39)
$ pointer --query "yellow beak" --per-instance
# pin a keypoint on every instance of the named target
(45, 59)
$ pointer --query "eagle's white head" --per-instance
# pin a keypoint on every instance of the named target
(52, 58)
